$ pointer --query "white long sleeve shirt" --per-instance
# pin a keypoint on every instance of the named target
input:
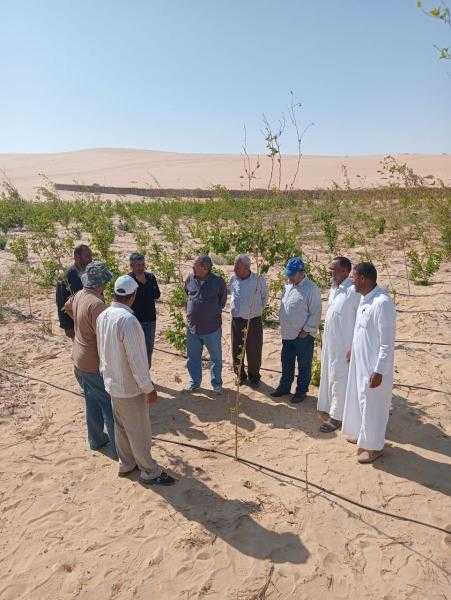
(248, 297)
(122, 353)
(300, 309)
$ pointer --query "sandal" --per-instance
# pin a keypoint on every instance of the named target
(330, 426)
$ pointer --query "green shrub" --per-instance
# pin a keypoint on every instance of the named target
(423, 266)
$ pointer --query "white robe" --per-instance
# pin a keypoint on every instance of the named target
(337, 341)
(367, 409)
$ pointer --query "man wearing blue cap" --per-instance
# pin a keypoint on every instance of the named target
(299, 315)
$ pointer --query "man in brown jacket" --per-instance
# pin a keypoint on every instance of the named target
(84, 308)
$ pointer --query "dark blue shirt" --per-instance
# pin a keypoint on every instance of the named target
(64, 290)
(206, 299)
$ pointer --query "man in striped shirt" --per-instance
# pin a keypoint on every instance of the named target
(125, 370)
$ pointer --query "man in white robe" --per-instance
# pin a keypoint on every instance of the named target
(337, 342)
(370, 381)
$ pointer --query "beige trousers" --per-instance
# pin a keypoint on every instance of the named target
(133, 434)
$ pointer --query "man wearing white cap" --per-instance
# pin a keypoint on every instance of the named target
(124, 366)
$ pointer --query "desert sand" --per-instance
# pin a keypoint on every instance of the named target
(129, 168)
(71, 529)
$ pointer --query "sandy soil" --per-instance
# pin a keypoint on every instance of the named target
(71, 529)
(125, 167)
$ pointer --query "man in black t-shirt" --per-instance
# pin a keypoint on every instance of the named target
(144, 304)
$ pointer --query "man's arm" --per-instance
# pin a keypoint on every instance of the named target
(314, 312)
(385, 325)
(155, 288)
(61, 297)
(222, 293)
(263, 291)
(135, 349)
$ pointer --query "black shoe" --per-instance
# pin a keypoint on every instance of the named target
(254, 383)
(279, 392)
(298, 397)
(162, 479)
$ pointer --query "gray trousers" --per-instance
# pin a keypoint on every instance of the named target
(133, 435)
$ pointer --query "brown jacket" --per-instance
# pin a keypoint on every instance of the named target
(84, 308)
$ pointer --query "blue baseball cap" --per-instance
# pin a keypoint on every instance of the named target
(294, 265)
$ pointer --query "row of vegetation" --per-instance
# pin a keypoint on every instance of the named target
(411, 215)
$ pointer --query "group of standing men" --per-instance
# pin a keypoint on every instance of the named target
(112, 347)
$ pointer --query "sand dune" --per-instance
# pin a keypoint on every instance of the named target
(127, 167)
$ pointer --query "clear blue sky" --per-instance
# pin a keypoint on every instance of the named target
(184, 75)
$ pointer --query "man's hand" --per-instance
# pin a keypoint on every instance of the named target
(375, 380)
(70, 333)
(152, 397)
(303, 334)
(348, 355)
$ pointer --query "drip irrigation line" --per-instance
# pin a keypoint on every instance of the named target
(310, 483)
(254, 464)
(62, 389)
(422, 342)
(267, 369)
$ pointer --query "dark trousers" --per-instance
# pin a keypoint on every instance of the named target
(149, 328)
(302, 350)
(254, 344)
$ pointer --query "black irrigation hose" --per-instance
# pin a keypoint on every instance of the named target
(395, 384)
(42, 381)
(300, 479)
(254, 464)
(422, 342)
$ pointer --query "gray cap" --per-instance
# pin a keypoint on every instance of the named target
(96, 274)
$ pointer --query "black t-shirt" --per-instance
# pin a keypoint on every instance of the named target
(146, 294)
(64, 290)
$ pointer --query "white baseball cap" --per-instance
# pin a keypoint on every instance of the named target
(125, 285)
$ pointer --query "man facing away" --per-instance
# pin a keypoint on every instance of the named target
(144, 305)
(84, 308)
(299, 315)
(124, 366)
(70, 285)
(337, 342)
(370, 381)
(249, 297)
(207, 296)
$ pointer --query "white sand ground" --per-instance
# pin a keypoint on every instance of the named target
(127, 167)
(70, 529)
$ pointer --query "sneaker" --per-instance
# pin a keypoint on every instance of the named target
(191, 387)
(217, 389)
(298, 397)
(162, 479)
(279, 392)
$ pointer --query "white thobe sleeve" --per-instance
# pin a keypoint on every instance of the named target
(135, 349)
(385, 327)
(314, 312)
(352, 304)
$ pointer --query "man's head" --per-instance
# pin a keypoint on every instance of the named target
(242, 266)
(364, 277)
(82, 255)
(295, 270)
(202, 266)
(137, 263)
(96, 276)
(339, 269)
(125, 289)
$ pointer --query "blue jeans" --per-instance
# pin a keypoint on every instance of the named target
(302, 350)
(149, 335)
(194, 346)
(99, 413)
